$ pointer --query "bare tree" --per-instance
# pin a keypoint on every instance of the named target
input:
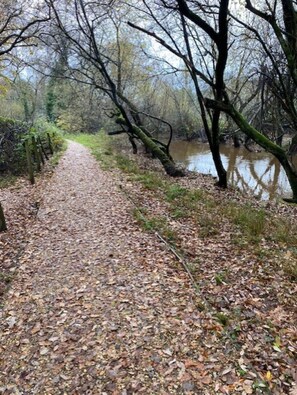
(178, 35)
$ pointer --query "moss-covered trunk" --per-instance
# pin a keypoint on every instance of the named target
(167, 163)
(152, 147)
(260, 139)
(270, 146)
(2, 220)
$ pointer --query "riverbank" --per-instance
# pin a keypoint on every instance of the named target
(240, 254)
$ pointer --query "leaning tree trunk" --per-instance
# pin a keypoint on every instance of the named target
(269, 146)
(3, 226)
(169, 166)
(263, 141)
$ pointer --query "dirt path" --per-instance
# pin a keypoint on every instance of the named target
(97, 306)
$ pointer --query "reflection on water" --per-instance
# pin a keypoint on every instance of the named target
(259, 173)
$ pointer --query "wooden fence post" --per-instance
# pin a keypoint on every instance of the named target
(36, 153)
(3, 226)
(50, 144)
(29, 162)
(42, 148)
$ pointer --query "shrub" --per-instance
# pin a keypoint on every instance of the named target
(14, 133)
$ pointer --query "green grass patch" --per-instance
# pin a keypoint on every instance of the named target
(222, 319)
(126, 165)
(283, 231)
(55, 158)
(250, 221)
(7, 180)
(176, 192)
(158, 224)
(221, 278)
(149, 180)
(184, 202)
(6, 278)
(99, 145)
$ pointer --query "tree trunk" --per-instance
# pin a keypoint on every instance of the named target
(236, 141)
(3, 226)
(168, 164)
(292, 176)
(134, 146)
(222, 174)
(293, 146)
(268, 145)
(215, 149)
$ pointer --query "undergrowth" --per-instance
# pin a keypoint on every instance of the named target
(7, 180)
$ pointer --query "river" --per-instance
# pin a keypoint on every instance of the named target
(252, 172)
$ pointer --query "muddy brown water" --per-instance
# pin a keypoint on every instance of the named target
(252, 172)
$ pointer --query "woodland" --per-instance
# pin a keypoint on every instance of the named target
(215, 312)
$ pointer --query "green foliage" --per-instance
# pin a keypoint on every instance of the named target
(222, 319)
(6, 278)
(251, 221)
(221, 278)
(14, 133)
(126, 165)
(175, 192)
(154, 224)
(149, 180)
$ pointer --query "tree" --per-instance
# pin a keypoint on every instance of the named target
(90, 28)
(181, 38)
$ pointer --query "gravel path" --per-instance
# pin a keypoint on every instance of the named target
(98, 306)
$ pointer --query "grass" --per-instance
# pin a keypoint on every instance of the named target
(222, 319)
(7, 180)
(250, 221)
(155, 224)
(125, 164)
(221, 278)
(175, 192)
(99, 145)
(149, 180)
(5, 278)
(55, 158)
